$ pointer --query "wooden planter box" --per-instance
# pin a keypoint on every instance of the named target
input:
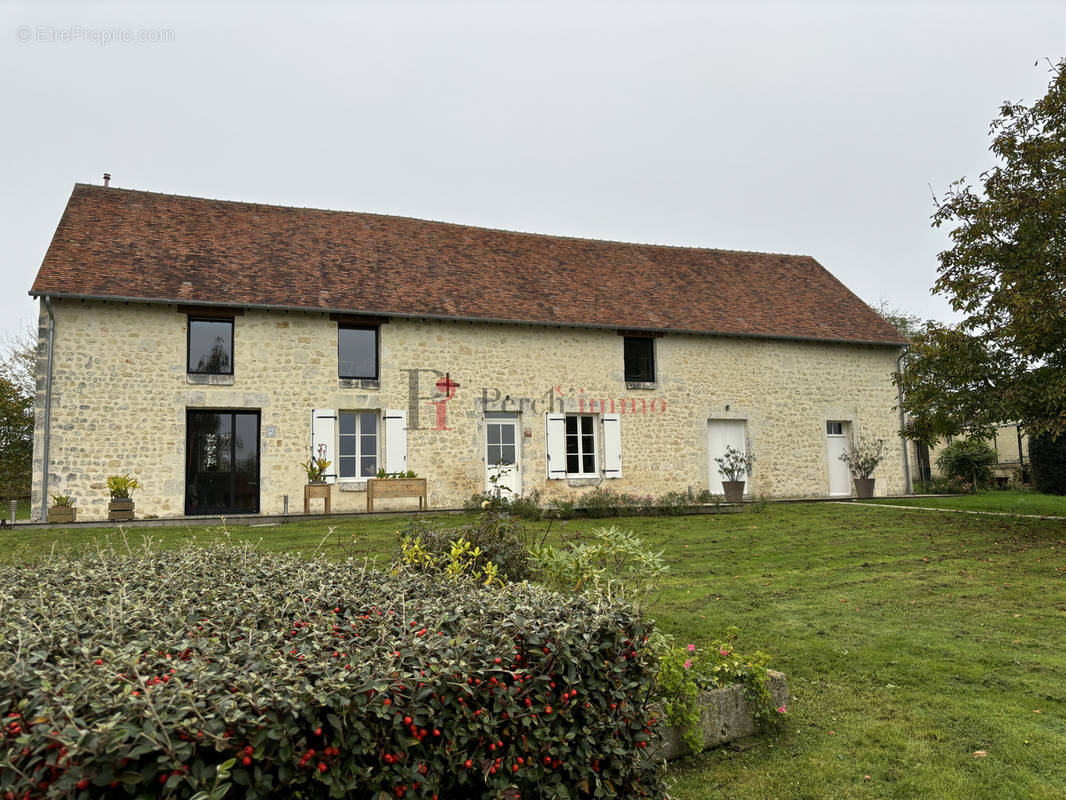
(727, 715)
(321, 490)
(120, 510)
(396, 487)
(62, 514)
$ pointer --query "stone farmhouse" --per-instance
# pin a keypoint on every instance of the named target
(209, 347)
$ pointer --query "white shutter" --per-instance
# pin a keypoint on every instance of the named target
(555, 444)
(612, 446)
(395, 441)
(324, 432)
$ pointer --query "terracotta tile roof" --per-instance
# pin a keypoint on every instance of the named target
(118, 243)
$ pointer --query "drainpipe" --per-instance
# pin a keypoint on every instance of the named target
(908, 489)
(47, 406)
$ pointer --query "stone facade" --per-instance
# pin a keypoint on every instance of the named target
(120, 395)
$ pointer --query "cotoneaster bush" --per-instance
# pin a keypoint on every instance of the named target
(141, 674)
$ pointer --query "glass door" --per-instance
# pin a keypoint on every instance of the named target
(222, 462)
(502, 456)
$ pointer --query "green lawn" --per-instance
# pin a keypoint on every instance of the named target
(21, 513)
(1011, 501)
(911, 640)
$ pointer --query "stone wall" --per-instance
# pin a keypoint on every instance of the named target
(121, 392)
(726, 714)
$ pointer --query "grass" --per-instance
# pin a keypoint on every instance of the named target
(1011, 501)
(22, 511)
(911, 640)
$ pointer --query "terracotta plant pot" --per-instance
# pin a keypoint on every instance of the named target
(62, 514)
(864, 488)
(734, 491)
(120, 509)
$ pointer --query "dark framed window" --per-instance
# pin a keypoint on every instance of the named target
(640, 359)
(210, 346)
(357, 351)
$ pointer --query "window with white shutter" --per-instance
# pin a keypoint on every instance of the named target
(323, 439)
(612, 445)
(395, 441)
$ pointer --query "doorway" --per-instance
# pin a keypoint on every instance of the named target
(723, 433)
(836, 436)
(502, 455)
(222, 462)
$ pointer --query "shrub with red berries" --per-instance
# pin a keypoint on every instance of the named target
(164, 674)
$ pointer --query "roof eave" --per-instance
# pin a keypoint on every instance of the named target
(459, 318)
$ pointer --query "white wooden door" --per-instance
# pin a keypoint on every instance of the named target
(502, 457)
(836, 437)
(723, 433)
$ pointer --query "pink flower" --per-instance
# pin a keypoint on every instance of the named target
(781, 710)
(724, 652)
(692, 648)
(688, 663)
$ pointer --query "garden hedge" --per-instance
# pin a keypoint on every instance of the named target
(139, 674)
(1048, 459)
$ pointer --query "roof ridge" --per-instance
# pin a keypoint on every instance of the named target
(447, 223)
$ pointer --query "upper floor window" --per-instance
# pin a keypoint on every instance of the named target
(210, 346)
(639, 359)
(357, 351)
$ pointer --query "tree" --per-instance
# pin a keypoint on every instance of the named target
(19, 362)
(1006, 272)
(18, 384)
(16, 440)
(909, 325)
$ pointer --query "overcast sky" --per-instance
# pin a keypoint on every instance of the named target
(814, 128)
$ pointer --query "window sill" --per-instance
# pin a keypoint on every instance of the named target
(578, 482)
(359, 383)
(357, 485)
(209, 380)
(642, 385)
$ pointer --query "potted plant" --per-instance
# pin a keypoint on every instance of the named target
(734, 467)
(316, 487)
(121, 506)
(62, 509)
(316, 467)
(862, 459)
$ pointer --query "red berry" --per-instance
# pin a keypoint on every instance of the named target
(322, 767)
(98, 661)
(406, 720)
(82, 784)
(318, 731)
(468, 763)
(247, 761)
